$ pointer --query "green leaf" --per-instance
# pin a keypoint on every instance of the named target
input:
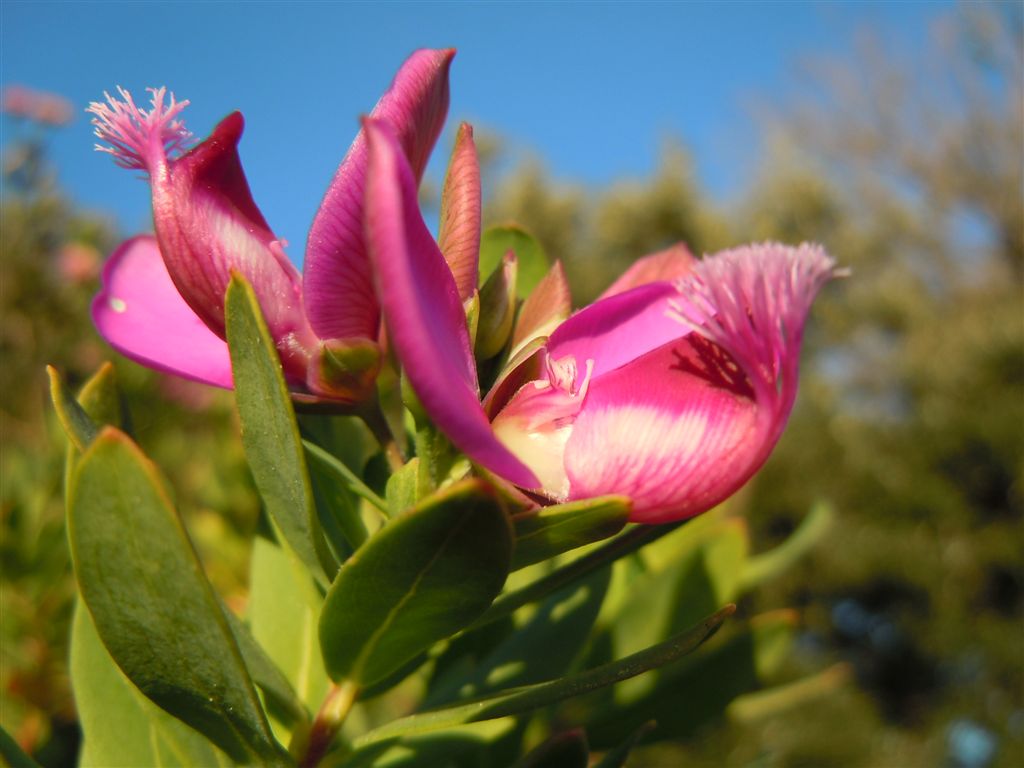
(542, 649)
(751, 708)
(533, 262)
(696, 693)
(270, 434)
(101, 399)
(497, 310)
(402, 487)
(120, 726)
(461, 745)
(770, 564)
(284, 606)
(522, 700)
(278, 692)
(78, 425)
(424, 576)
(622, 545)
(557, 529)
(12, 754)
(151, 602)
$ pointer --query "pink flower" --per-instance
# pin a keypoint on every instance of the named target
(672, 392)
(162, 302)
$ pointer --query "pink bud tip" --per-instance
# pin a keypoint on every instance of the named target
(139, 138)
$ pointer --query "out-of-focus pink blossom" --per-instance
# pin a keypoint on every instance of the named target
(38, 106)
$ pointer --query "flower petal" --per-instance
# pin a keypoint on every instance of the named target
(459, 235)
(693, 420)
(421, 305)
(339, 295)
(670, 264)
(676, 430)
(208, 225)
(619, 329)
(141, 314)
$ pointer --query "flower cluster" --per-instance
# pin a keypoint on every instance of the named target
(671, 389)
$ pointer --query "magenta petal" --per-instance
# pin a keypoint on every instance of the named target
(421, 305)
(142, 315)
(339, 295)
(670, 264)
(619, 329)
(677, 431)
(208, 225)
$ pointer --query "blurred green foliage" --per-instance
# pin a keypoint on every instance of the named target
(910, 419)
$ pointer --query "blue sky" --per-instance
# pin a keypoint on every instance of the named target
(593, 89)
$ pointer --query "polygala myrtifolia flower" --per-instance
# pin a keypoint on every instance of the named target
(162, 302)
(670, 391)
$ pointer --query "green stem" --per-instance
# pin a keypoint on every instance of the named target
(378, 425)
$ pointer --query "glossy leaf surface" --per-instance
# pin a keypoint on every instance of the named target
(554, 530)
(423, 577)
(151, 602)
(269, 431)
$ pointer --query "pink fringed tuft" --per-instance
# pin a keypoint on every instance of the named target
(138, 138)
(753, 302)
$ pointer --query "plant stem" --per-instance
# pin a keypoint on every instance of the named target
(329, 719)
(378, 425)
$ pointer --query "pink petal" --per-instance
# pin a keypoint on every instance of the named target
(425, 319)
(677, 431)
(208, 225)
(619, 329)
(141, 314)
(690, 422)
(340, 300)
(670, 264)
(459, 237)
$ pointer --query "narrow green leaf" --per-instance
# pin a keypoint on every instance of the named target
(558, 529)
(522, 700)
(776, 561)
(120, 726)
(101, 399)
(343, 474)
(497, 309)
(696, 692)
(751, 708)
(78, 425)
(277, 690)
(423, 577)
(151, 602)
(269, 431)
(284, 606)
(532, 261)
(622, 545)
(543, 648)
(462, 745)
